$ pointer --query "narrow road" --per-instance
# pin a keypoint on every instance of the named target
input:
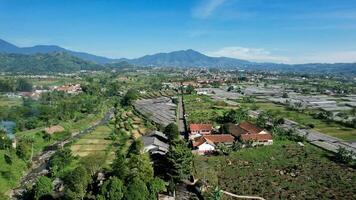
(182, 126)
(40, 162)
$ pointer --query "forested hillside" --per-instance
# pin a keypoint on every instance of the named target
(44, 63)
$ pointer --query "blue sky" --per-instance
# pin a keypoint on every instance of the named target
(290, 31)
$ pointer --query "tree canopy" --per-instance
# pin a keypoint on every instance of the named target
(180, 161)
(130, 96)
(171, 131)
(76, 182)
(112, 189)
(42, 187)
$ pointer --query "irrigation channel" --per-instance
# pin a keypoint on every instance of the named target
(40, 162)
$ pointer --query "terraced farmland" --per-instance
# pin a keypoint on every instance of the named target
(96, 142)
(131, 124)
(156, 94)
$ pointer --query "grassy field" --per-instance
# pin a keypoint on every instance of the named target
(284, 170)
(96, 142)
(202, 109)
(9, 102)
(331, 128)
(10, 173)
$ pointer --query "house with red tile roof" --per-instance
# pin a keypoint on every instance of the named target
(202, 129)
(207, 143)
(248, 132)
(263, 139)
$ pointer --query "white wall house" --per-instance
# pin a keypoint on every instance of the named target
(205, 148)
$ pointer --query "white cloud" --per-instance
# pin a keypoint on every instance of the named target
(206, 8)
(251, 54)
(263, 55)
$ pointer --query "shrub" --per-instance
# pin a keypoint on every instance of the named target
(343, 155)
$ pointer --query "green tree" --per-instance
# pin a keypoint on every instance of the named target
(42, 187)
(180, 161)
(353, 111)
(234, 116)
(119, 166)
(135, 148)
(263, 119)
(23, 85)
(140, 167)
(171, 131)
(189, 89)
(76, 183)
(93, 163)
(156, 86)
(5, 142)
(23, 149)
(136, 190)
(216, 84)
(59, 160)
(112, 189)
(130, 96)
(216, 194)
(155, 186)
(344, 155)
(223, 149)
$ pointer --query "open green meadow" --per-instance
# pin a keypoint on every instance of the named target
(11, 172)
(329, 128)
(96, 142)
(10, 101)
(202, 109)
(284, 170)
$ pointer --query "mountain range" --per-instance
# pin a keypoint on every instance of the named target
(6, 47)
(182, 58)
(45, 63)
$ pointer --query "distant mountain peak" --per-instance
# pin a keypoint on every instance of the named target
(6, 47)
(186, 58)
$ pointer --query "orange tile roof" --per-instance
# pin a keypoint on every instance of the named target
(256, 137)
(198, 141)
(250, 128)
(199, 127)
(213, 139)
(235, 130)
